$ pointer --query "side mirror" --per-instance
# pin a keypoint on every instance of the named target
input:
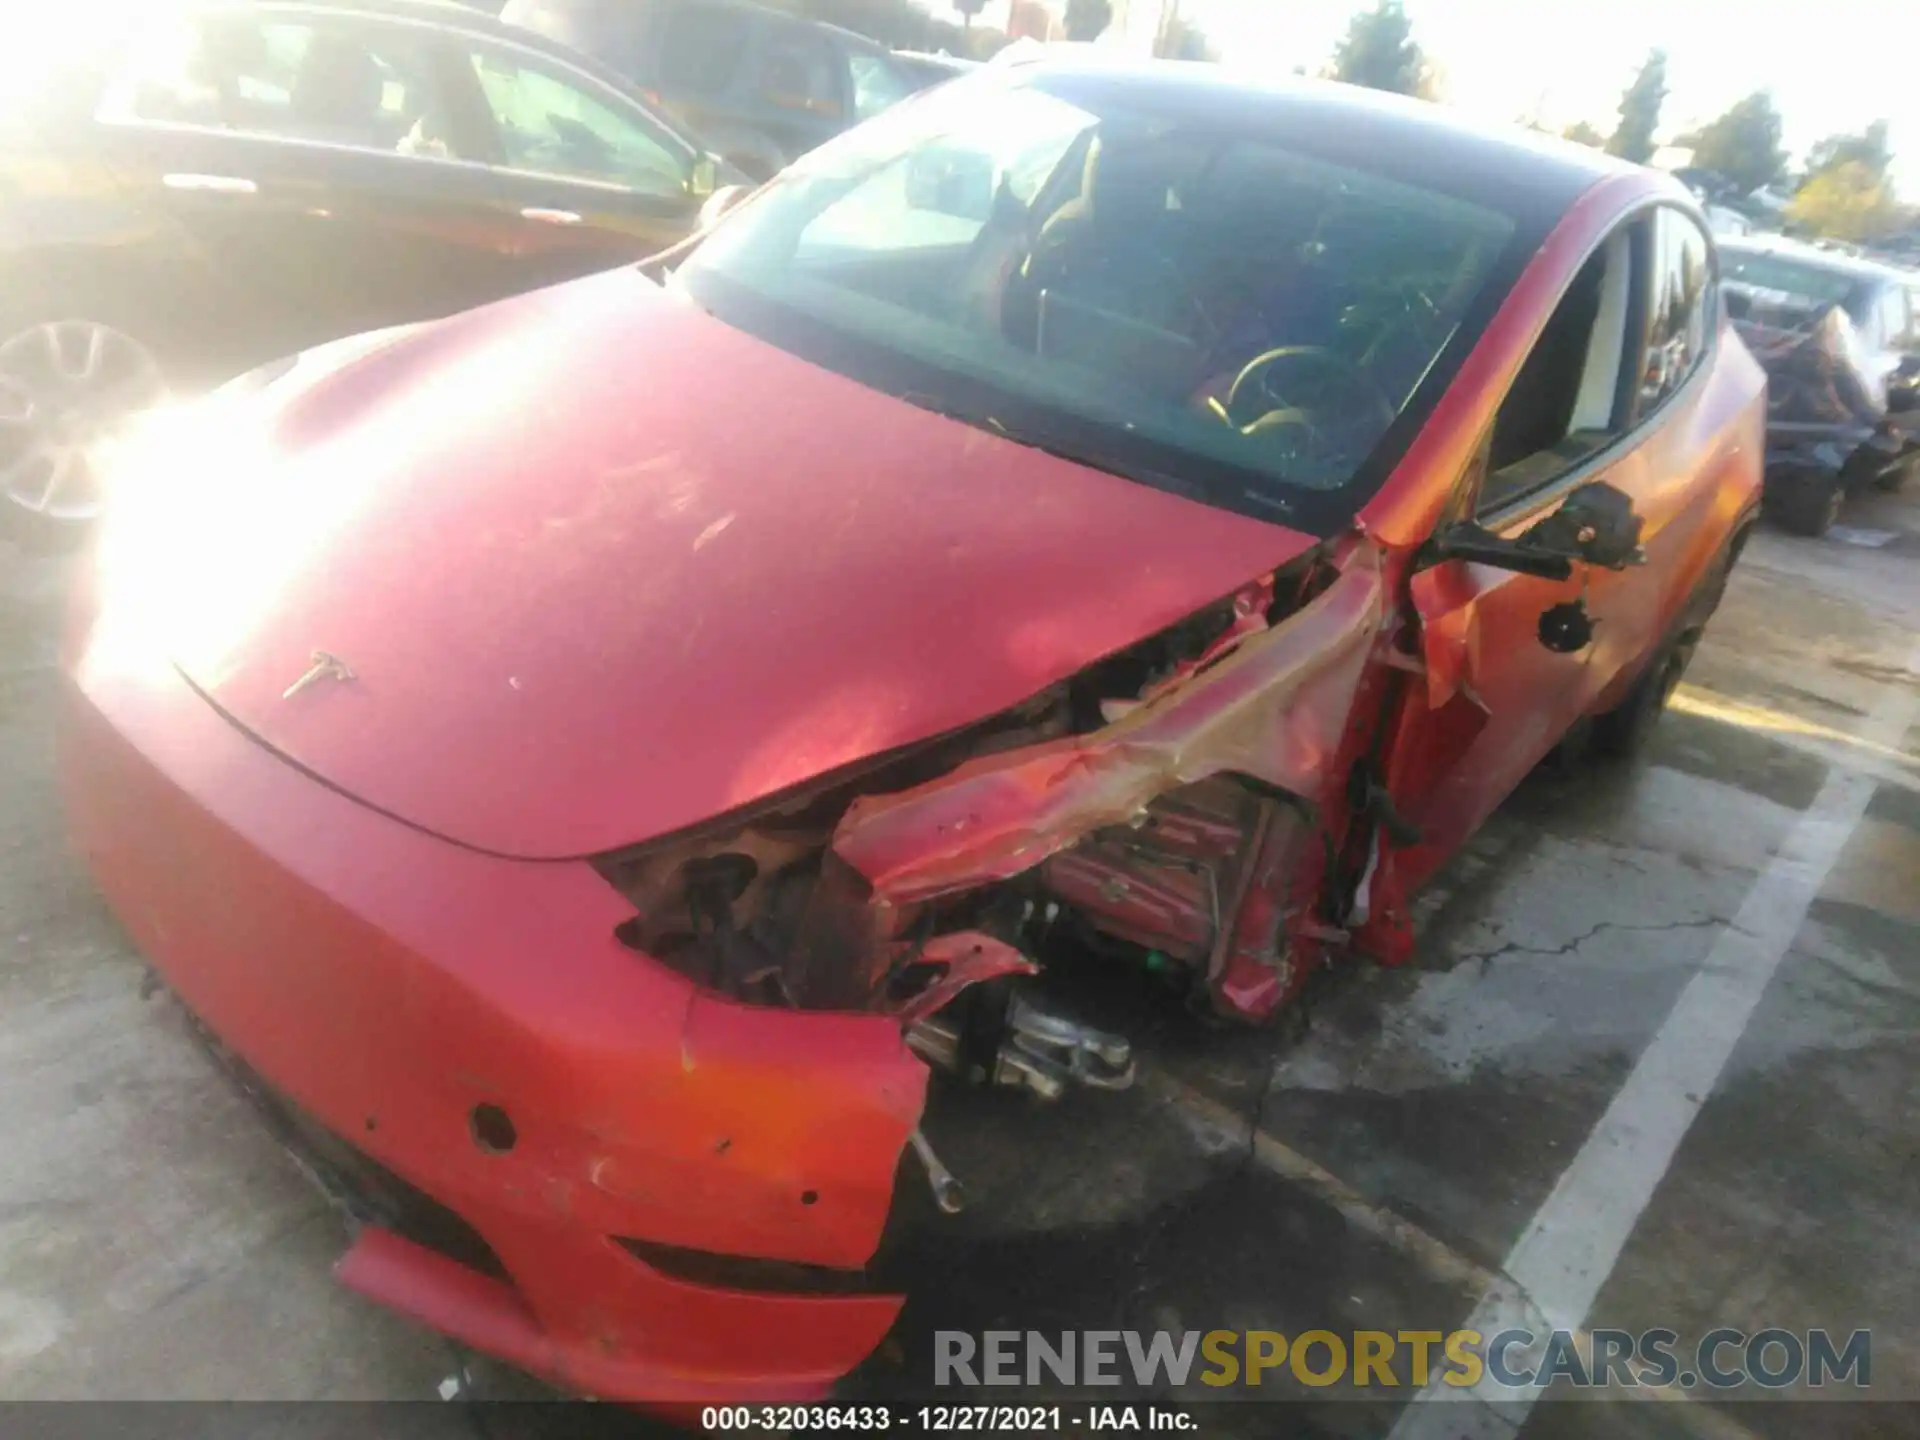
(704, 175)
(720, 202)
(1595, 525)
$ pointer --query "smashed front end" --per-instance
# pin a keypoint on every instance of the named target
(1164, 807)
(661, 1100)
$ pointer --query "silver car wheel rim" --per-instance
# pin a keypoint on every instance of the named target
(67, 387)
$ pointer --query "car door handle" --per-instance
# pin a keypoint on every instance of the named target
(211, 184)
(550, 217)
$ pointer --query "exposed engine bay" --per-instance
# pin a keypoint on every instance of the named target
(1164, 807)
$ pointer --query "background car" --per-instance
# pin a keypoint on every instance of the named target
(759, 87)
(1839, 336)
(246, 180)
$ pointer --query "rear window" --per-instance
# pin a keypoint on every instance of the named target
(700, 49)
(1797, 280)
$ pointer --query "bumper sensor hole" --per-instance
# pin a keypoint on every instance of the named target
(492, 1129)
(809, 1197)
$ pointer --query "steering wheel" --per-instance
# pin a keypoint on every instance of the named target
(1306, 385)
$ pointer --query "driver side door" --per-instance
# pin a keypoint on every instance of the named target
(1495, 699)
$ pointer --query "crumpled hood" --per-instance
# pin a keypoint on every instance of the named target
(601, 567)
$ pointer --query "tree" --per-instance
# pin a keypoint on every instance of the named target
(1087, 19)
(1869, 148)
(1379, 51)
(1640, 111)
(1848, 201)
(968, 9)
(1581, 133)
(1743, 144)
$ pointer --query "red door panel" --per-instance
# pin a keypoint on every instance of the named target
(1699, 457)
(1496, 700)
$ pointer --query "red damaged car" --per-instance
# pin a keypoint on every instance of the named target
(593, 760)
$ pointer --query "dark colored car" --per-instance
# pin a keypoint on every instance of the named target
(600, 759)
(759, 87)
(1840, 339)
(247, 180)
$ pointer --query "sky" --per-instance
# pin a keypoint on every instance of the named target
(1833, 65)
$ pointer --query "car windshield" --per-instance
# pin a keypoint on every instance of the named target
(1205, 309)
(1796, 282)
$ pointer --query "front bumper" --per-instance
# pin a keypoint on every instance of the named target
(394, 987)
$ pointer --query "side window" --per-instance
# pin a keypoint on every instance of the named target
(700, 49)
(1567, 400)
(371, 87)
(1679, 306)
(553, 125)
(193, 72)
(876, 85)
(801, 72)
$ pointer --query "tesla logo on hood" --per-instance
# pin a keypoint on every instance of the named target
(325, 667)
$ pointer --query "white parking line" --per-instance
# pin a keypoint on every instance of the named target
(1569, 1249)
(1435, 1258)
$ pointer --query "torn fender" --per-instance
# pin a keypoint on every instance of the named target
(1274, 708)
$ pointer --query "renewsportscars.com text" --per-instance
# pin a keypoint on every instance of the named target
(1722, 1359)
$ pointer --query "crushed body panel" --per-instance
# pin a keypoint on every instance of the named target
(1273, 708)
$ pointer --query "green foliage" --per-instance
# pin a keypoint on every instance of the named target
(1869, 148)
(1087, 19)
(1743, 144)
(1847, 200)
(1581, 133)
(1379, 52)
(1640, 111)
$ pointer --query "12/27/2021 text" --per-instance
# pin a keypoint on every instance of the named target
(948, 1419)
